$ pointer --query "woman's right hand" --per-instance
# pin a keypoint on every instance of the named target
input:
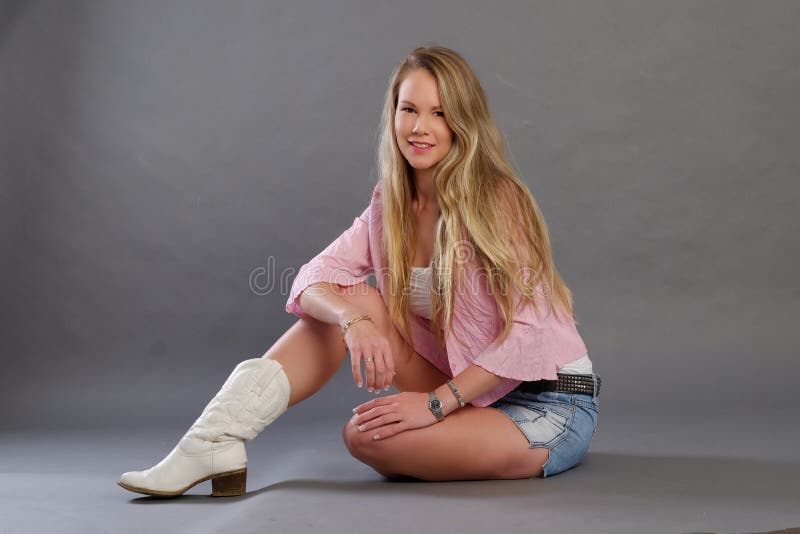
(365, 341)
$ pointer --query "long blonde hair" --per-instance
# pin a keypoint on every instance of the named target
(487, 213)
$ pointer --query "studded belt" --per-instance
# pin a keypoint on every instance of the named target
(566, 383)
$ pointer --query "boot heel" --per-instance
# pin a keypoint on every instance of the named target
(230, 485)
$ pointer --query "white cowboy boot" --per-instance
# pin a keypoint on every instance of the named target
(254, 395)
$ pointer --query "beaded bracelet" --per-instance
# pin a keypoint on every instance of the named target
(351, 321)
(453, 387)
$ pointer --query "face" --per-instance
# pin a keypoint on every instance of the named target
(419, 119)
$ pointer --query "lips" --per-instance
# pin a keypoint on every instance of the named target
(420, 150)
(421, 143)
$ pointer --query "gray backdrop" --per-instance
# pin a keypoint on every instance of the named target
(157, 157)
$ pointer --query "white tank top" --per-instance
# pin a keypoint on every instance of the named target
(420, 303)
(420, 297)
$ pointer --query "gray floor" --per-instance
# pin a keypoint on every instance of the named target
(644, 474)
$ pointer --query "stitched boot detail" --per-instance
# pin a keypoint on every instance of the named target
(254, 395)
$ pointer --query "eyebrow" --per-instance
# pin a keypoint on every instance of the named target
(413, 104)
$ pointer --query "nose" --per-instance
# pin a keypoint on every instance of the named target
(420, 126)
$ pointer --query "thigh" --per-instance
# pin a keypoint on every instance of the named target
(413, 372)
(469, 444)
(561, 423)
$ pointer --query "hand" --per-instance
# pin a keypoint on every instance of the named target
(385, 417)
(363, 339)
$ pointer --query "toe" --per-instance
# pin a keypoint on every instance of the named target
(131, 478)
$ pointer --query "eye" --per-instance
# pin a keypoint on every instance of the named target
(442, 113)
(403, 109)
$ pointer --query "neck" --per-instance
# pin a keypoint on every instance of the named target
(426, 197)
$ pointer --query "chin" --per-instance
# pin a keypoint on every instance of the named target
(422, 167)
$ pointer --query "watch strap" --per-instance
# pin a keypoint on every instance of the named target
(435, 406)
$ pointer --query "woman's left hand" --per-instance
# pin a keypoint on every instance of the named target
(387, 416)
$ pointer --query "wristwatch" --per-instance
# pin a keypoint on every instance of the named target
(435, 406)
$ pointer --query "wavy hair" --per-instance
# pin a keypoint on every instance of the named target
(488, 214)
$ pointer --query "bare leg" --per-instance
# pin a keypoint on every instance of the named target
(256, 392)
(311, 351)
(469, 444)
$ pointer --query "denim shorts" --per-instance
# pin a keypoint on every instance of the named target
(562, 422)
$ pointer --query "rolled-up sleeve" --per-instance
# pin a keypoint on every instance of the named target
(346, 261)
(525, 354)
(537, 343)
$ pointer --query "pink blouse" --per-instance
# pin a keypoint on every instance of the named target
(534, 349)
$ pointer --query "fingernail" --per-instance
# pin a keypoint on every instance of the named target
(386, 388)
(354, 410)
(361, 428)
(359, 384)
(369, 389)
(376, 437)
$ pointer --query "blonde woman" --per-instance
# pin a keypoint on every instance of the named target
(470, 320)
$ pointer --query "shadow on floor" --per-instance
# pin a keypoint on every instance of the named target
(711, 480)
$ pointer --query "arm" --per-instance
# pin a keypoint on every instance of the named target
(323, 301)
(471, 383)
(385, 417)
(317, 290)
(345, 262)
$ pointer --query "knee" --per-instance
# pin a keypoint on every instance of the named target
(364, 449)
(367, 298)
(360, 444)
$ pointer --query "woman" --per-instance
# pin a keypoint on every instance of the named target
(470, 320)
